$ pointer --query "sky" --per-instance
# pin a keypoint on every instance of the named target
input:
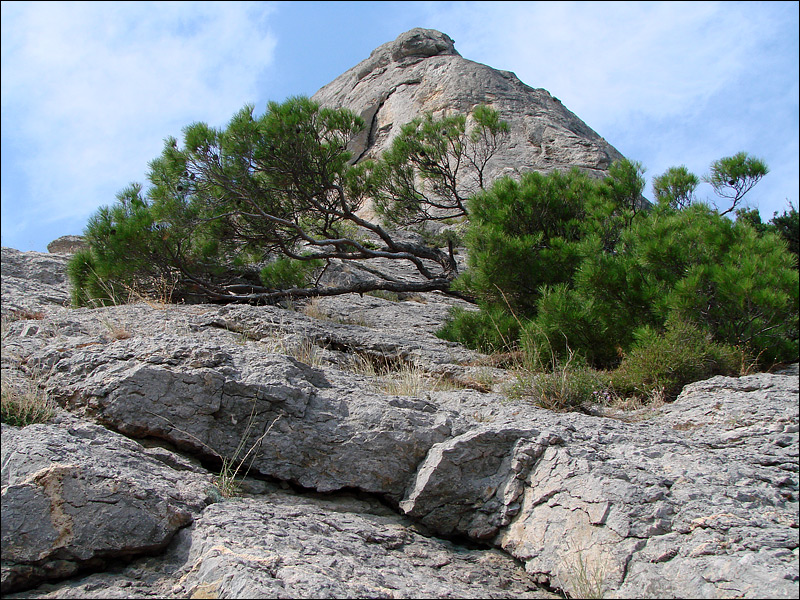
(91, 90)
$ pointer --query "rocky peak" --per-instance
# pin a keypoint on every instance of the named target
(418, 42)
(422, 72)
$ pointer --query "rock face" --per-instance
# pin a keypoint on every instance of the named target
(361, 483)
(33, 281)
(421, 71)
(76, 494)
(67, 244)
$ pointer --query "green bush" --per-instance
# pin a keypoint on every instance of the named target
(489, 330)
(566, 385)
(86, 288)
(522, 235)
(286, 273)
(577, 267)
(664, 362)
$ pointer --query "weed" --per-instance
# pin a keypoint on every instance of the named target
(398, 378)
(303, 349)
(566, 386)
(115, 330)
(385, 295)
(483, 417)
(314, 310)
(226, 483)
(23, 401)
(587, 577)
(24, 314)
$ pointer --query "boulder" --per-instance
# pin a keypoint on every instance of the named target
(67, 244)
(75, 495)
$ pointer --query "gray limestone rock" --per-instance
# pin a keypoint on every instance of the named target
(33, 282)
(281, 546)
(422, 72)
(67, 244)
(75, 494)
(645, 503)
(197, 378)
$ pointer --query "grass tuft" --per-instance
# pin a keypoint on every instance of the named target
(23, 402)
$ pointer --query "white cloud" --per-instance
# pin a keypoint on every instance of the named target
(658, 57)
(89, 90)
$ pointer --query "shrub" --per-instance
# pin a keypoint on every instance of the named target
(568, 385)
(285, 273)
(87, 288)
(489, 330)
(666, 361)
(693, 265)
(521, 236)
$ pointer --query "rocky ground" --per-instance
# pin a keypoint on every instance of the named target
(381, 462)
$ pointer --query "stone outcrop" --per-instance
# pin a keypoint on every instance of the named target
(361, 488)
(67, 244)
(76, 495)
(421, 72)
(33, 281)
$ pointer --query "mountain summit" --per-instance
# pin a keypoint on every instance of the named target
(421, 71)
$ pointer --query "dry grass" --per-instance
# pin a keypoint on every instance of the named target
(303, 348)
(400, 378)
(22, 400)
(24, 314)
(115, 331)
(314, 310)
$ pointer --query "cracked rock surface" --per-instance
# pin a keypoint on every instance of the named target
(357, 491)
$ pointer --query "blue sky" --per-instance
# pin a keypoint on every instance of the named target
(90, 90)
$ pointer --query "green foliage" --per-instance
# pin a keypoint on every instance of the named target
(86, 285)
(675, 187)
(664, 362)
(565, 320)
(127, 249)
(787, 225)
(565, 385)
(624, 184)
(582, 271)
(491, 329)
(527, 239)
(693, 265)
(422, 176)
(223, 200)
(733, 176)
(522, 235)
(285, 273)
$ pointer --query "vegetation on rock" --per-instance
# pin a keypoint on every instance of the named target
(563, 265)
(280, 189)
(569, 269)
